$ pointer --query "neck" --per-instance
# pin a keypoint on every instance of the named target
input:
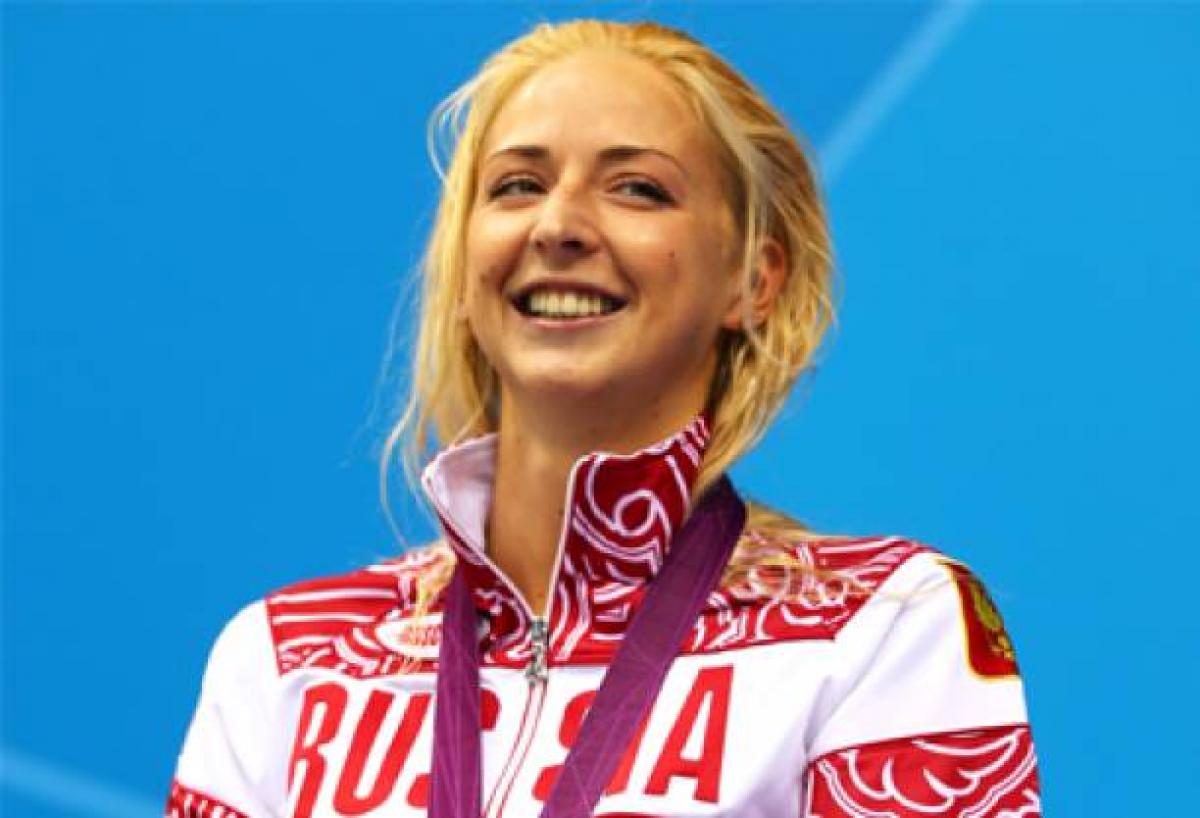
(535, 453)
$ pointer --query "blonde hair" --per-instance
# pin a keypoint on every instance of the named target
(773, 195)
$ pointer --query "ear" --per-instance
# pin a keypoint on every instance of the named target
(766, 282)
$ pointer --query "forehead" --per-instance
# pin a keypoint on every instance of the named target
(598, 98)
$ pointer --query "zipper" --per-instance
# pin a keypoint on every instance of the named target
(530, 719)
(537, 670)
(537, 675)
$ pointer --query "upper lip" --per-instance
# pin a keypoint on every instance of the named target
(564, 286)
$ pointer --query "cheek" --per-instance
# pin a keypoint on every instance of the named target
(493, 248)
(700, 277)
(691, 264)
(655, 254)
(481, 278)
(482, 304)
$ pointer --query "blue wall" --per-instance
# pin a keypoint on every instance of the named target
(209, 212)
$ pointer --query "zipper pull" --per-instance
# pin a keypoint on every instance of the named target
(535, 671)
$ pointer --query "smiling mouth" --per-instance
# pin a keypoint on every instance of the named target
(558, 305)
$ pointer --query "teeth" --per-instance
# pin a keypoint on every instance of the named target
(554, 304)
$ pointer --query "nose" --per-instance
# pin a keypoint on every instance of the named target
(563, 232)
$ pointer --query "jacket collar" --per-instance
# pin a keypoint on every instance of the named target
(622, 512)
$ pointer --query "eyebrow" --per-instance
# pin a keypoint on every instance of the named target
(614, 154)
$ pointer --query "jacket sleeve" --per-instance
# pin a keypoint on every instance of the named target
(926, 712)
(224, 769)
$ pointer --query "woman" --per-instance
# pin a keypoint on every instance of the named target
(629, 269)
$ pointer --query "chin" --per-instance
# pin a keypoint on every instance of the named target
(570, 387)
(553, 379)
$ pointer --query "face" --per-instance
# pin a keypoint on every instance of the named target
(600, 253)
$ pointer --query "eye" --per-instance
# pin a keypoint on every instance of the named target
(514, 186)
(644, 189)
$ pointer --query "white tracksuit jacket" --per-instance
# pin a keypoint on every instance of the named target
(877, 681)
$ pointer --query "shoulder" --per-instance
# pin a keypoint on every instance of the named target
(800, 585)
(900, 585)
(822, 582)
(242, 650)
(331, 622)
(340, 621)
(926, 652)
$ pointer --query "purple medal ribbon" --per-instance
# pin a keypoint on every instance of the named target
(669, 610)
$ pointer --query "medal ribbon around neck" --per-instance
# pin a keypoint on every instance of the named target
(668, 611)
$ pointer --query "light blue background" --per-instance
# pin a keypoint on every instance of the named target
(210, 210)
